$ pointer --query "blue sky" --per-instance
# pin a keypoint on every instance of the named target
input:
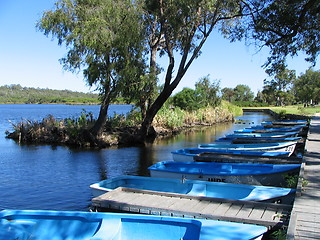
(31, 59)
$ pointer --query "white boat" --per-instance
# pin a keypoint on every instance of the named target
(266, 147)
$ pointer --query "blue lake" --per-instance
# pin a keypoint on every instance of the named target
(58, 177)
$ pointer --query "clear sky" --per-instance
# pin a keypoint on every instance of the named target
(31, 59)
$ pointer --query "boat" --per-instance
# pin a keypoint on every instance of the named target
(276, 126)
(75, 225)
(267, 147)
(285, 122)
(239, 173)
(270, 134)
(188, 154)
(246, 158)
(257, 139)
(196, 188)
(268, 130)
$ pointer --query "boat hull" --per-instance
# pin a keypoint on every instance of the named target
(238, 173)
(268, 130)
(189, 154)
(267, 147)
(263, 140)
(197, 188)
(285, 122)
(273, 135)
(62, 225)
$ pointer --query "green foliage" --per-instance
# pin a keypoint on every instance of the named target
(291, 180)
(74, 126)
(186, 99)
(249, 104)
(105, 39)
(228, 94)
(175, 117)
(170, 118)
(288, 28)
(280, 234)
(282, 114)
(235, 110)
(18, 94)
(133, 118)
(307, 87)
(243, 93)
(282, 80)
(205, 94)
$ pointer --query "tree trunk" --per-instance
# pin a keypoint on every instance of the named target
(146, 132)
(97, 129)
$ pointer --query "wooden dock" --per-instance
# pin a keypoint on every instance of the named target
(180, 205)
(305, 218)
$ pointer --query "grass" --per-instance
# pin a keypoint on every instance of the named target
(294, 109)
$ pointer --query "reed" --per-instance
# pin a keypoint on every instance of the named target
(176, 118)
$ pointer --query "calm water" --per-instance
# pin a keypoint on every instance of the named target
(58, 178)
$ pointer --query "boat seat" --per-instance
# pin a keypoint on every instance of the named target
(198, 189)
(11, 230)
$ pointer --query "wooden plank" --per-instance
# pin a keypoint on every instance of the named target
(200, 206)
(257, 213)
(222, 209)
(245, 211)
(210, 208)
(233, 210)
(269, 214)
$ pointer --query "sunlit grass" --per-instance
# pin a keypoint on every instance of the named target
(295, 109)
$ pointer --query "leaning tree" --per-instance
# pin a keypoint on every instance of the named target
(179, 29)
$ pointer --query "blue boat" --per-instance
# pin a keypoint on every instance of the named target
(268, 147)
(188, 154)
(276, 126)
(63, 225)
(257, 139)
(285, 122)
(271, 134)
(268, 130)
(197, 188)
(239, 173)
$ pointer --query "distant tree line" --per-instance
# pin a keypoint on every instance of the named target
(286, 88)
(15, 93)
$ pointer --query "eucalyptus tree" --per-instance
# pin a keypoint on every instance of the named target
(283, 79)
(307, 87)
(179, 29)
(208, 92)
(281, 84)
(104, 39)
(287, 27)
(228, 94)
(243, 93)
